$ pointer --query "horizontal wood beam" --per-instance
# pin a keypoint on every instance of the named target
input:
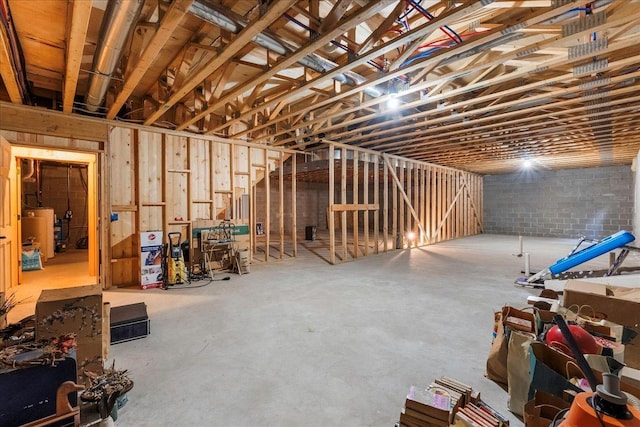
(354, 207)
(22, 118)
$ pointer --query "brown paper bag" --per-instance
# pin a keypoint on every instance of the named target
(506, 320)
(542, 409)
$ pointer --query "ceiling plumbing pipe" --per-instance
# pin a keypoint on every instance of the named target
(119, 20)
(220, 17)
(29, 176)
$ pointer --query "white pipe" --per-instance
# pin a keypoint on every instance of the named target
(527, 264)
(520, 241)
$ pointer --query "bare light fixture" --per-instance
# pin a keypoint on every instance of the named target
(527, 164)
(411, 239)
(393, 102)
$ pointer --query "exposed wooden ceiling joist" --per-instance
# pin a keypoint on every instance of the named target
(480, 83)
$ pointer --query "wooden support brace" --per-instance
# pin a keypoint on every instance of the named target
(404, 195)
(446, 215)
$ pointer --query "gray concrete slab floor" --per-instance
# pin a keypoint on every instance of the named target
(298, 342)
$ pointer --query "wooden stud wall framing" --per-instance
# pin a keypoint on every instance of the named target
(158, 179)
(432, 202)
(179, 179)
(124, 239)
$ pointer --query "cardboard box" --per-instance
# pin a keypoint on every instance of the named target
(74, 310)
(620, 305)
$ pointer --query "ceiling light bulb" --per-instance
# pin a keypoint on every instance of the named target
(393, 102)
(527, 164)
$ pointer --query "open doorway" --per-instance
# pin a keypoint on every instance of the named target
(54, 223)
(60, 187)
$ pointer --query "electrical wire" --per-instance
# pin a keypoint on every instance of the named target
(408, 11)
(445, 28)
(558, 416)
(598, 416)
(333, 42)
(187, 286)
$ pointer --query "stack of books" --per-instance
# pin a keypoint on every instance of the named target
(447, 402)
(436, 405)
(479, 415)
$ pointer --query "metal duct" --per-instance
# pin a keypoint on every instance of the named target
(119, 20)
(219, 17)
(574, 12)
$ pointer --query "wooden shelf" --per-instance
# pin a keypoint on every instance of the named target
(124, 208)
(179, 170)
(179, 222)
(154, 204)
(242, 173)
(223, 191)
(202, 201)
(127, 259)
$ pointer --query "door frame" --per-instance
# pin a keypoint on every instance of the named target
(65, 156)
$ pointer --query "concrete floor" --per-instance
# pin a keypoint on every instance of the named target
(298, 342)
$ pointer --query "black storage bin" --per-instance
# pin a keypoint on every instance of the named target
(310, 232)
(29, 394)
(129, 322)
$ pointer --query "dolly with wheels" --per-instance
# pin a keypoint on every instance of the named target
(577, 257)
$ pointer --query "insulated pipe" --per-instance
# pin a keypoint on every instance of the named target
(29, 176)
(119, 20)
(216, 16)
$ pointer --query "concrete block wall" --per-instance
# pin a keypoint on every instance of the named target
(54, 195)
(312, 200)
(594, 202)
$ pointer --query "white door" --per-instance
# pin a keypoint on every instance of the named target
(6, 238)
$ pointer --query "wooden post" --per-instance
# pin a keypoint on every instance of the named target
(423, 201)
(267, 220)
(376, 200)
(356, 243)
(433, 212)
(385, 209)
(105, 235)
(294, 214)
(281, 203)
(343, 199)
(252, 200)
(365, 196)
(402, 221)
(332, 220)
(394, 207)
(416, 203)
